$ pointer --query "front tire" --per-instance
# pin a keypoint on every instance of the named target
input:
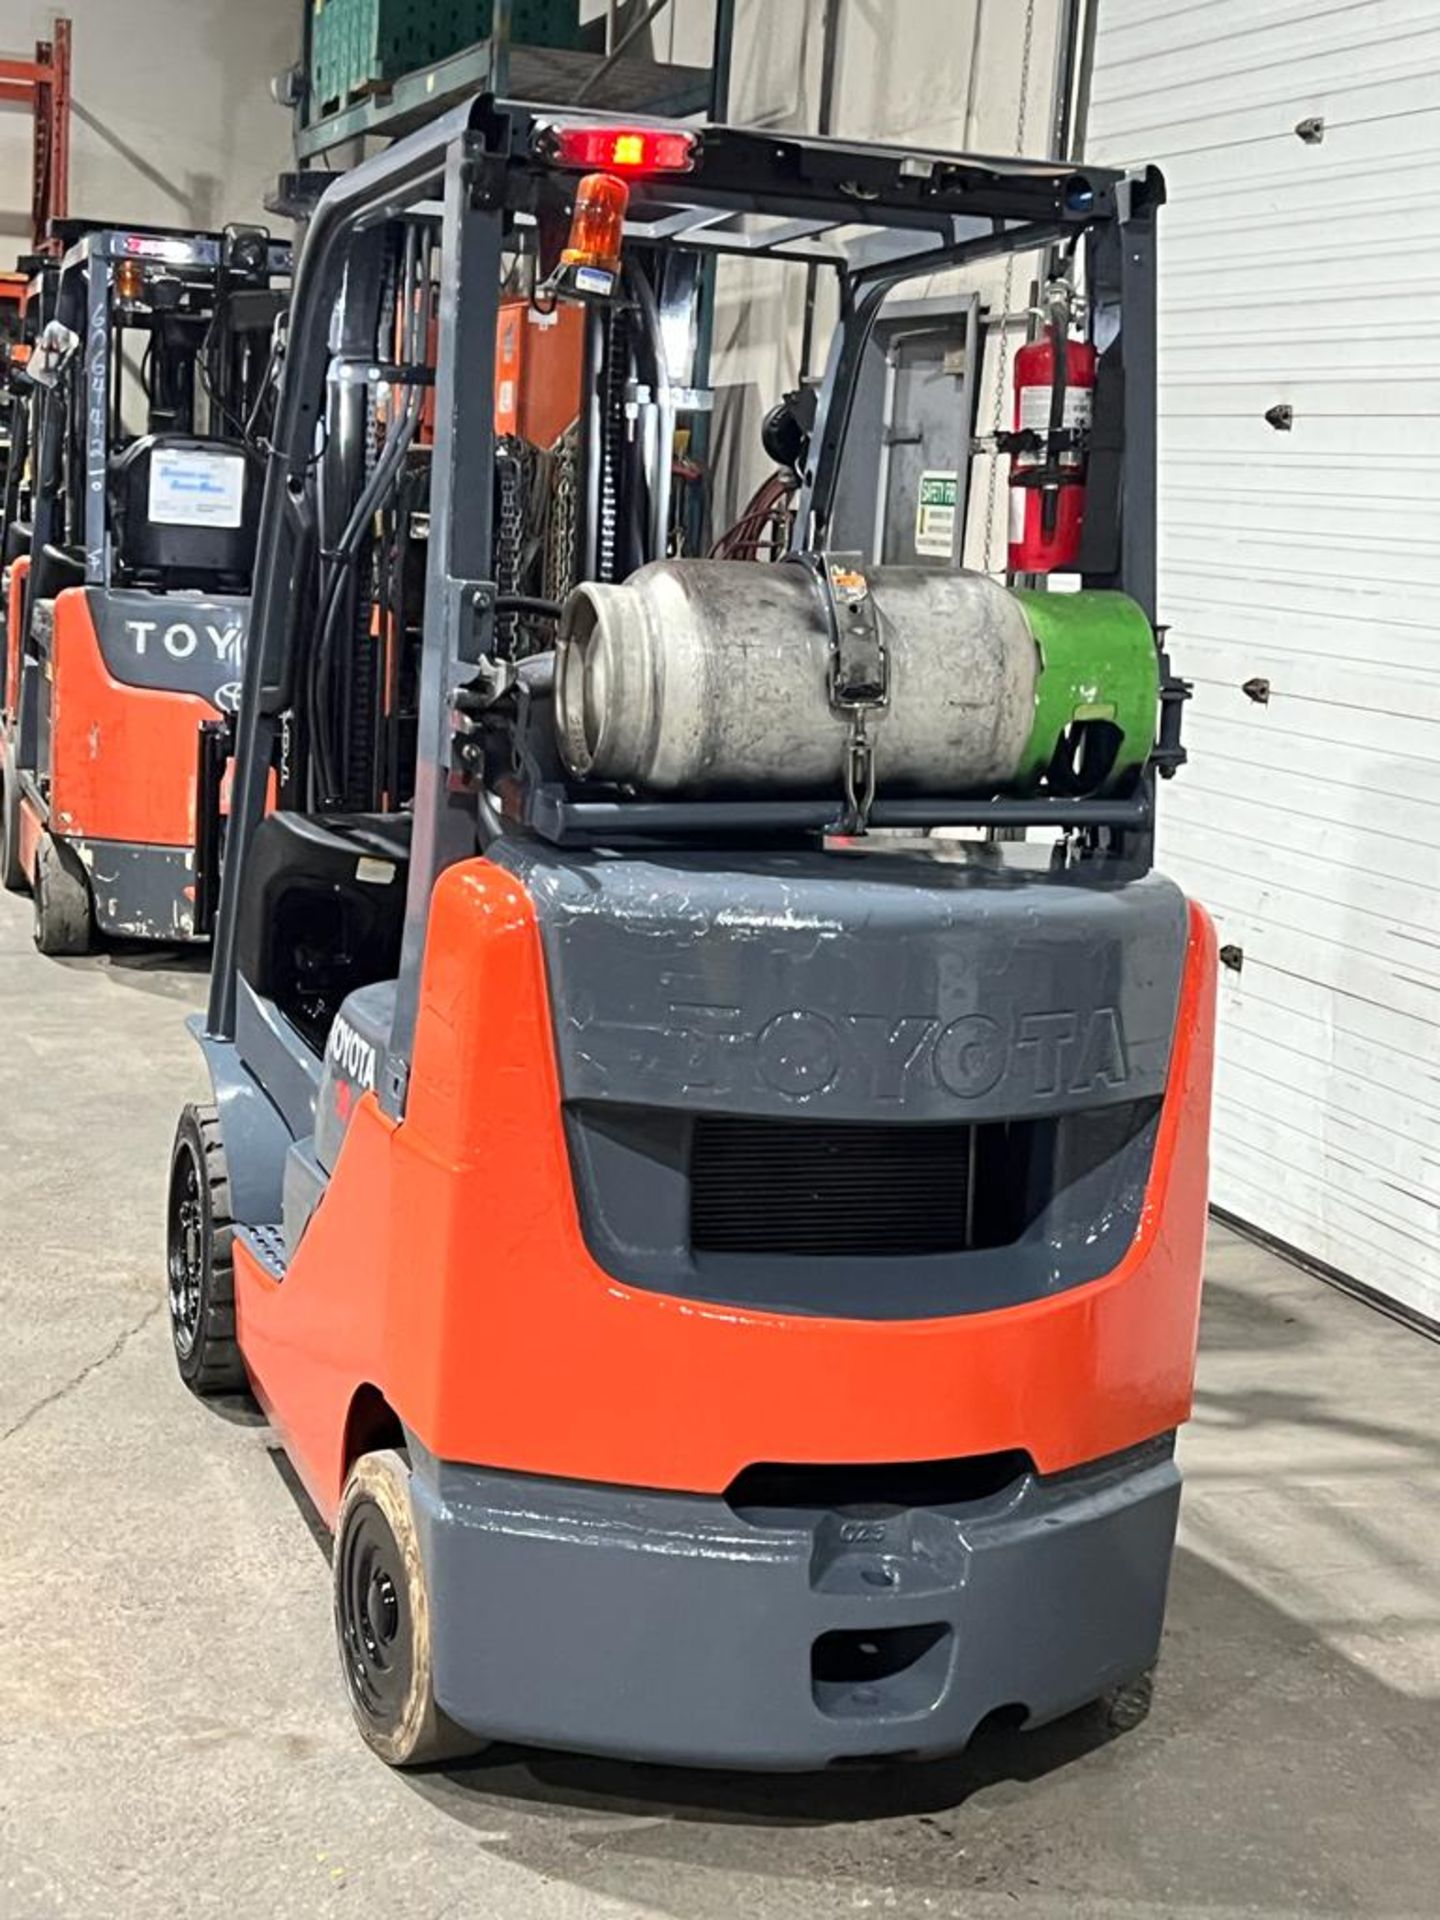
(12, 873)
(382, 1620)
(200, 1271)
(64, 912)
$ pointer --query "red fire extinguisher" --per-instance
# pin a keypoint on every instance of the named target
(1054, 405)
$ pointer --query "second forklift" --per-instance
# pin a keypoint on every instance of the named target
(149, 388)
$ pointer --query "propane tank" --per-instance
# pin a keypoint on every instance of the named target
(1054, 400)
(709, 676)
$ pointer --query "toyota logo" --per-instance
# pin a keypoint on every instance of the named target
(227, 698)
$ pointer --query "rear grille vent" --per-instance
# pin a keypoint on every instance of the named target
(817, 1187)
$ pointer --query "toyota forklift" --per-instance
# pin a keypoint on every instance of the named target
(722, 1255)
(149, 391)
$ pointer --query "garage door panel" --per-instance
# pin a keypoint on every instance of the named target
(1385, 837)
(1340, 563)
(1394, 917)
(1348, 833)
(1231, 177)
(1300, 1211)
(1286, 491)
(1310, 937)
(1243, 438)
(1293, 1092)
(1264, 248)
(1309, 567)
(1333, 1186)
(1273, 351)
(1362, 738)
(1299, 948)
(1228, 35)
(1296, 672)
(1187, 120)
(1194, 321)
(1260, 633)
(1368, 392)
(1304, 274)
(1366, 1038)
(1402, 789)
(1338, 596)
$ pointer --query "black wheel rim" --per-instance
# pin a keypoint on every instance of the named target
(373, 1617)
(185, 1252)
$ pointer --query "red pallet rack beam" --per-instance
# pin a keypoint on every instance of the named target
(43, 85)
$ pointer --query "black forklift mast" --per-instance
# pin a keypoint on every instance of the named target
(481, 185)
(188, 290)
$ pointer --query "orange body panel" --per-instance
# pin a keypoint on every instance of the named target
(446, 1266)
(538, 364)
(32, 827)
(508, 337)
(15, 630)
(122, 758)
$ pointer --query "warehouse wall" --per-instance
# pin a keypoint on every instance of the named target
(907, 71)
(173, 122)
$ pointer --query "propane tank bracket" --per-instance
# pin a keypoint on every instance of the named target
(859, 672)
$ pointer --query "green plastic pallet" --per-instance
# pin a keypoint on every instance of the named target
(357, 46)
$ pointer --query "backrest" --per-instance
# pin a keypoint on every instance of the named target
(185, 512)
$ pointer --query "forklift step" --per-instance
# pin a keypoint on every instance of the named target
(267, 1244)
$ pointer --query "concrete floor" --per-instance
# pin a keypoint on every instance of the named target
(173, 1740)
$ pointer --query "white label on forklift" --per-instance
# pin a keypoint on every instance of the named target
(1035, 408)
(195, 487)
(935, 512)
(374, 873)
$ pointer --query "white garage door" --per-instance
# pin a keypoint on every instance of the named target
(1305, 274)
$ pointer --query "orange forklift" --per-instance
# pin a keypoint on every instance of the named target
(146, 395)
(724, 1260)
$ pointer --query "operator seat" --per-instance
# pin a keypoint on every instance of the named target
(17, 542)
(323, 911)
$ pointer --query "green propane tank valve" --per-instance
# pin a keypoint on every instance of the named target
(1098, 695)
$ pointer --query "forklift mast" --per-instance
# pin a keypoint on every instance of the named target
(169, 333)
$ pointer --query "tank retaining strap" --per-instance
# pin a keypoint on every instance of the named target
(1098, 662)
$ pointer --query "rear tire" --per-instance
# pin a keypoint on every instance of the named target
(200, 1270)
(382, 1620)
(12, 874)
(64, 912)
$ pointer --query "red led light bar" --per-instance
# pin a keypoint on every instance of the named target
(623, 149)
